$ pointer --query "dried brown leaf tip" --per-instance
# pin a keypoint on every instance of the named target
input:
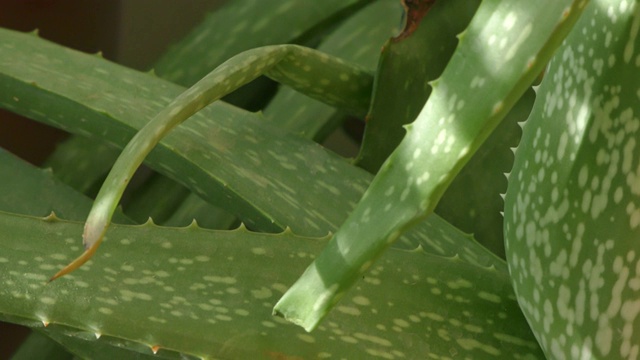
(414, 11)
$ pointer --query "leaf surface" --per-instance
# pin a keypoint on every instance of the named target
(113, 102)
(572, 222)
(451, 127)
(209, 294)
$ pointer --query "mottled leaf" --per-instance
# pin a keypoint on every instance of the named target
(450, 128)
(572, 218)
(209, 294)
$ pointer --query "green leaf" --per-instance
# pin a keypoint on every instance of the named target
(473, 202)
(313, 72)
(406, 68)
(82, 162)
(26, 189)
(356, 41)
(451, 127)
(209, 294)
(38, 346)
(234, 29)
(200, 153)
(571, 211)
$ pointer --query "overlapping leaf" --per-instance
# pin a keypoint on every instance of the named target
(451, 127)
(111, 101)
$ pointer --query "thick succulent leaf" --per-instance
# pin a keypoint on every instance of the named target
(406, 68)
(200, 153)
(39, 346)
(356, 41)
(209, 294)
(296, 66)
(572, 208)
(473, 202)
(453, 124)
(82, 162)
(158, 197)
(405, 320)
(86, 347)
(193, 208)
(26, 189)
(246, 24)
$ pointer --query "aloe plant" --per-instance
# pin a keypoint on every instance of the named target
(350, 249)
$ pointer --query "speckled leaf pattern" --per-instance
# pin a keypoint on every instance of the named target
(572, 208)
(402, 82)
(199, 153)
(356, 41)
(246, 24)
(453, 124)
(472, 202)
(490, 302)
(197, 292)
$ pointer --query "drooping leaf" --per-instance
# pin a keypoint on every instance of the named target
(453, 124)
(299, 67)
(572, 222)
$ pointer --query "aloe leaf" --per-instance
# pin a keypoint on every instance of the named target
(451, 127)
(82, 162)
(446, 289)
(112, 102)
(84, 347)
(290, 64)
(38, 346)
(571, 213)
(193, 208)
(197, 292)
(158, 197)
(405, 70)
(26, 189)
(356, 41)
(242, 25)
(473, 202)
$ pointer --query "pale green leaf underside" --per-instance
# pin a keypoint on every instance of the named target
(210, 294)
(452, 125)
(112, 102)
